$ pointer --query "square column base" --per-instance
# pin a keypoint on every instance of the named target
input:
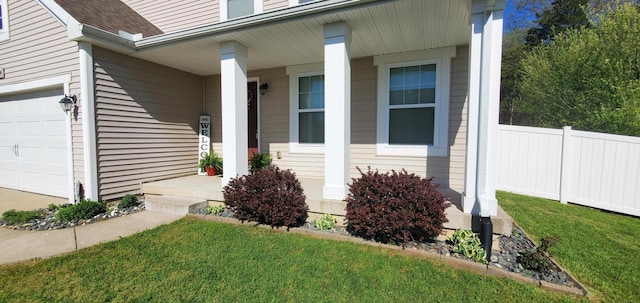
(333, 192)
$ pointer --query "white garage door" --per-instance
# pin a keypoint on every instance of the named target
(33, 148)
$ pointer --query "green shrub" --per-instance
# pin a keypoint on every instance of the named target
(53, 207)
(259, 161)
(467, 243)
(215, 210)
(85, 209)
(128, 201)
(538, 259)
(395, 207)
(325, 222)
(268, 196)
(21, 216)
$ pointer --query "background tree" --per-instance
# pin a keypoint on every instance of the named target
(560, 16)
(587, 78)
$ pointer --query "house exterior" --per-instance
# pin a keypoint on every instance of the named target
(405, 84)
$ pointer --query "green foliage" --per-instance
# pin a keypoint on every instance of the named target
(327, 221)
(538, 259)
(589, 79)
(259, 161)
(128, 200)
(599, 248)
(467, 243)
(14, 217)
(215, 210)
(53, 207)
(203, 261)
(212, 159)
(561, 15)
(83, 210)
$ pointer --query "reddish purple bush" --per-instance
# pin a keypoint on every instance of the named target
(268, 196)
(395, 207)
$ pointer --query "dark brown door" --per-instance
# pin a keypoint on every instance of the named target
(252, 104)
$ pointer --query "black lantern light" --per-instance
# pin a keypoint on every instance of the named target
(68, 102)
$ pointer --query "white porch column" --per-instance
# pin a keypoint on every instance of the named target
(88, 109)
(469, 204)
(485, 56)
(489, 103)
(233, 69)
(337, 110)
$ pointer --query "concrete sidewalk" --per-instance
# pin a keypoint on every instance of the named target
(17, 245)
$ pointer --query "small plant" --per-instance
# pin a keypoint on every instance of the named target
(211, 159)
(538, 259)
(467, 243)
(215, 210)
(395, 207)
(53, 207)
(259, 161)
(14, 217)
(85, 209)
(128, 200)
(268, 196)
(327, 221)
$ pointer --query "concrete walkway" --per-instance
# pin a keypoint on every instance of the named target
(20, 245)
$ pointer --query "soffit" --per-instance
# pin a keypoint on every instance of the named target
(389, 27)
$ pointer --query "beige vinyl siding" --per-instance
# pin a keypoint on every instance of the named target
(171, 15)
(269, 5)
(39, 48)
(448, 171)
(146, 121)
(274, 125)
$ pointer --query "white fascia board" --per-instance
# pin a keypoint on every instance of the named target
(58, 12)
(252, 21)
(85, 33)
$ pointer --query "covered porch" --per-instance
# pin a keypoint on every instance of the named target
(209, 189)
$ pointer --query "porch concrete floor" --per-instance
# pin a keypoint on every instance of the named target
(209, 188)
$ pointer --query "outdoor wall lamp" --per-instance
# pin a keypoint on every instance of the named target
(264, 87)
(68, 102)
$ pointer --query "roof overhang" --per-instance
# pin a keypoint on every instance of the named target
(293, 35)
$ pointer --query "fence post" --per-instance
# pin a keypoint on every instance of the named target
(565, 164)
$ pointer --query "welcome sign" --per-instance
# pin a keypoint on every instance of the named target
(204, 142)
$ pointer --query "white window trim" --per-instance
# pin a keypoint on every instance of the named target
(4, 32)
(442, 58)
(224, 11)
(295, 72)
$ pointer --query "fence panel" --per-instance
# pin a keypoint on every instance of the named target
(592, 169)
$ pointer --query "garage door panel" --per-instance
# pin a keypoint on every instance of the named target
(33, 149)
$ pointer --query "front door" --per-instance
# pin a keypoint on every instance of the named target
(252, 105)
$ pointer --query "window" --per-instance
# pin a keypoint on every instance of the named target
(306, 108)
(311, 109)
(4, 21)
(230, 9)
(413, 103)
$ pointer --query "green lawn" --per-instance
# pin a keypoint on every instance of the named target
(202, 261)
(602, 250)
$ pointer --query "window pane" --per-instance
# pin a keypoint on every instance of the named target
(396, 97)
(317, 100)
(311, 128)
(0, 17)
(239, 8)
(428, 75)
(427, 95)
(317, 83)
(413, 126)
(411, 96)
(303, 84)
(304, 101)
(396, 77)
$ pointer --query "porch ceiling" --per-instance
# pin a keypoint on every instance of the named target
(378, 28)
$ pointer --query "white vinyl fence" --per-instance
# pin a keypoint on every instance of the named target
(586, 168)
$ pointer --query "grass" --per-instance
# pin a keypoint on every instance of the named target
(600, 249)
(202, 261)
